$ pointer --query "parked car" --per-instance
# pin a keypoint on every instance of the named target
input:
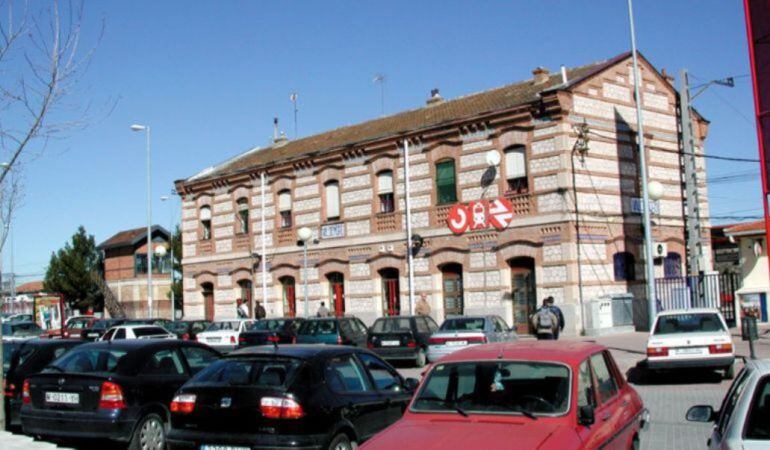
(19, 318)
(137, 332)
(117, 390)
(402, 338)
(223, 335)
(333, 330)
(75, 325)
(293, 396)
(743, 419)
(460, 332)
(543, 395)
(690, 338)
(98, 328)
(188, 329)
(9, 347)
(268, 331)
(17, 331)
(158, 322)
(27, 358)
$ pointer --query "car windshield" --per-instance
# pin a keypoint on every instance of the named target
(318, 327)
(267, 325)
(496, 387)
(178, 327)
(21, 329)
(77, 324)
(149, 331)
(275, 372)
(688, 323)
(218, 326)
(391, 325)
(465, 323)
(90, 360)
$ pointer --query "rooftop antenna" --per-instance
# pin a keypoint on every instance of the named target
(380, 78)
(293, 98)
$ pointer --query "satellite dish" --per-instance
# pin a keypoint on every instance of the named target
(493, 158)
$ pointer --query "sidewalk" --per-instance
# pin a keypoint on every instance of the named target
(10, 441)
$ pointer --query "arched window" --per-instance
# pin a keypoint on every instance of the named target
(446, 186)
(243, 215)
(332, 189)
(385, 191)
(205, 216)
(516, 169)
(672, 265)
(623, 263)
(284, 208)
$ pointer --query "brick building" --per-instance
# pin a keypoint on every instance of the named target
(125, 271)
(568, 165)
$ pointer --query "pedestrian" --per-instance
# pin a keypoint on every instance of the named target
(423, 307)
(559, 316)
(545, 322)
(323, 311)
(243, 309)
(259, 311)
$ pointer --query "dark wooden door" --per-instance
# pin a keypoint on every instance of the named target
(523, 296)
(453, 293)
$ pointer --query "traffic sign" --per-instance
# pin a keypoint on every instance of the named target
(457, 219)
(500, 213)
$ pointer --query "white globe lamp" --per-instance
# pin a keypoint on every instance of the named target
(493, 158)
(304, 234)
(161, 251)
(655, 190)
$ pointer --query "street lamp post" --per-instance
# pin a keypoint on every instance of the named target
(160, 251)
(146, 128)
(305, 234)
(171, 251)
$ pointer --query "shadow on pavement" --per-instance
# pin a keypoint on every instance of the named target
(640, 375)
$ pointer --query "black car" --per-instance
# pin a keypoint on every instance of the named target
(402, 337)
(291, 396)
(188, 329)
(98, 328)
(333, 330)
(270, 331)
(26, 358)
(21, 330)
(117, 390)
(158, 322)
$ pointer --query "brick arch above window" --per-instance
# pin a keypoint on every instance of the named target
(328, 266)
(286, 271)
(380, 262)
(384, 162)
(328, 174)
(282, 183)
(443, 152)
(205, 277)
(240, 274)
(448, 255)
(203, 199)
(516, 249)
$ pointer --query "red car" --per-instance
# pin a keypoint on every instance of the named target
(521, 395)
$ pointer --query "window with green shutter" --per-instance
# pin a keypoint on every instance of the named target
(446, 191)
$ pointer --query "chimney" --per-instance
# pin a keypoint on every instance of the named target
(281, 139)
(275, 129)
(540, 75)
(564, 79)
(434, 98)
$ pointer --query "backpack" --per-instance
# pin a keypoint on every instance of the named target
(544, 319)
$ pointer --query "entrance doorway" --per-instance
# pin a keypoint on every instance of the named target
(246, 295)
(391, 303)
(452, 285)
(337, 292)
(208, 300)
(289, 296)
(523, 292)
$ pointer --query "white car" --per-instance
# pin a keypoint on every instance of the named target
(136, 332)
(223, 335)
(457, 333)
(692, 338)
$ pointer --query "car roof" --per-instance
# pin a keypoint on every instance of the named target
(135, 326)
(46, 342)
(760, 365)
(572, 353)
(303, 351)
(479, 316)
(133, 344)
(671, 312)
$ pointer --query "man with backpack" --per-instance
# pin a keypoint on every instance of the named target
(559, 316)
(545, 323)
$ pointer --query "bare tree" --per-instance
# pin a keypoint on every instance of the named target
(40, 63)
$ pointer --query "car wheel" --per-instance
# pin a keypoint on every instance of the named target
(150, 434)
(421, 359)
(729, 372)
(635, 443)
(342, 442)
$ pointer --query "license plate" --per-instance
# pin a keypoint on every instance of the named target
(93, 335)
(690, 351)
(67, 398)
(456, 343)
(223, 447)
(391, 343)
(216, 339)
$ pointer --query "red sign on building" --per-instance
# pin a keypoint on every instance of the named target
(479, 215)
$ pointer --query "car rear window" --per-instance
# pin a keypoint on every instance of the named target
(496, 387)
(273, 372)
(269, 325)
(322, 327)
(466, 323)
(217, 326)
(91, 360)
(391, 325)
(149, 331)
(688, 323)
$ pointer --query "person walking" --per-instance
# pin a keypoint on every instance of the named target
(323, 311)
(243, 309)
(545, 322)
(559, 316)
(259, 311)
(422, 308)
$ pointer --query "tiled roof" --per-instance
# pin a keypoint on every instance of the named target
(130, 237)
(445, 112)
(32, 286)
(756, 227)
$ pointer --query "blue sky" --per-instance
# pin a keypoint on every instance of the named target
(209, 77)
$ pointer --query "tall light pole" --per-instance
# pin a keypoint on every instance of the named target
(305, 234)
(5, 167)
(146, 129)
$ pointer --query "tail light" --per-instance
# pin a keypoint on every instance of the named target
(721, 348)
(241, 340)
(186, 337)
(436, 341)
(369, 345)
(294, 339)
(183, 404)
(339, 340)
(111, 396)
(411, 344)
(8, 388)
(273, 338)
(476, 340)
(657, 351)
(25, 398)
(232, 339)
(280, 408)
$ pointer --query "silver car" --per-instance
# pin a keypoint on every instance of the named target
(463, 331)
(743, 420)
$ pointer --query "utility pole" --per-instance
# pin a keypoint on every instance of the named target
(380, 78)
(692, 204)
(293, 98)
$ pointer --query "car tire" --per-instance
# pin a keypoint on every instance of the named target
(421, 359)
(150, 433)
(342, 442)
(635, 444)
(729, 372)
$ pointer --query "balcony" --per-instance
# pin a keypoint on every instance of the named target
(523, 204)
(441, 213)
(241, 243)
(387, 222)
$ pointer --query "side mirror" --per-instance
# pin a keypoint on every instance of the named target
(411, 384)
(586, 415)
(701, 413)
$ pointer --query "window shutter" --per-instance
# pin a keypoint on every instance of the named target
(445, 182)
(332, 200)
(205, 213)
(243, 204)
(284, 201)
(515, 165)
(385, 183)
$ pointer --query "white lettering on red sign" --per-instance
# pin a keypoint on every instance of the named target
(479, 215)
(500, 213)
(457, 219)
